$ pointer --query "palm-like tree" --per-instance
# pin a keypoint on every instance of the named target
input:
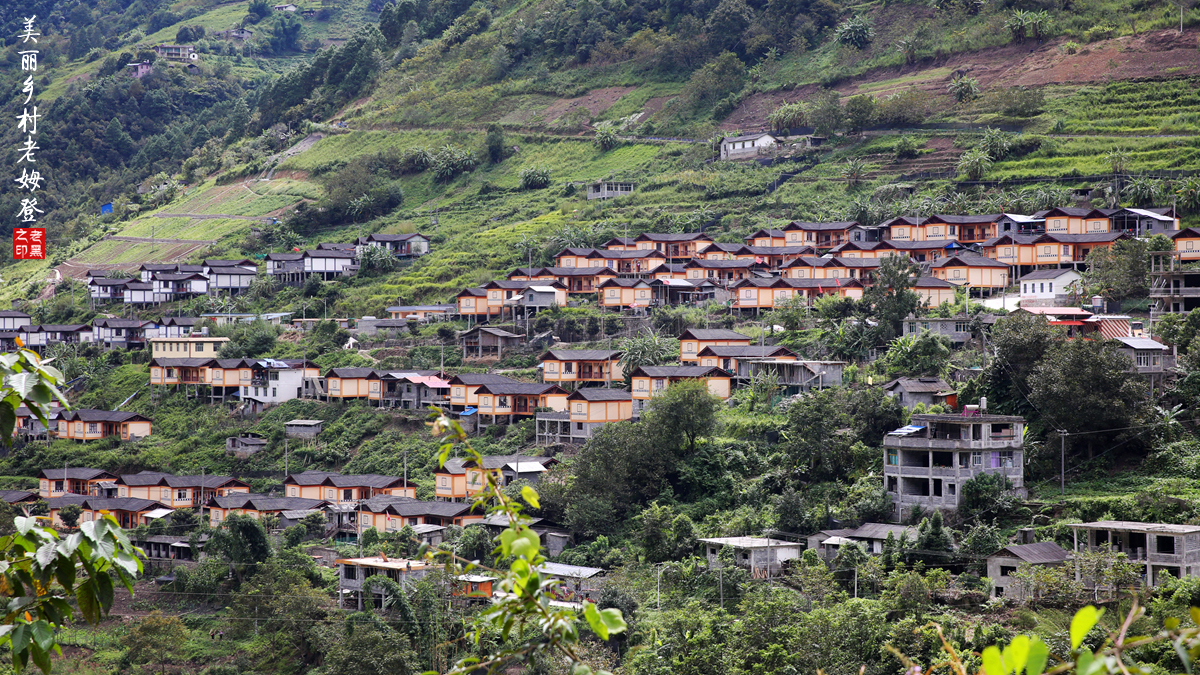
(649, 349)
(974, 163)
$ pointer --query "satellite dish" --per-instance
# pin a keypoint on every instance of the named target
(194, 56)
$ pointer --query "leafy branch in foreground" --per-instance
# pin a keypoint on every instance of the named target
(41, 573)
(522, 600)
(1026, 655)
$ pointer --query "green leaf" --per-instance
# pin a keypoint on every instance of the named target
(89, 606)
(1016, 654)
(1085, 619)
(1171, 623)
(526, 544)
(1039, 654)
(601, 629)
(613, 620)
(1195, 614)
(40, 658)
(43, 635)
(1084, 662)
(993, 664)
(530, 496)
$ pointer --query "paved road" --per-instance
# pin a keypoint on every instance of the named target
(150, 240)
(211, 216)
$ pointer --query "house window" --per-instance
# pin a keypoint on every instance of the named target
(1144, 359)
(93, 428)
(199, 346)
(1042, 288)
(292, 492)
(1164, 545)
(502, 402)
(349, 572)
(962, 327)
(58, 486)
(181, 494)
(579, 408)
(1006, 571)
(977, 458)
(273, 392)
(892, 457)
(1051, 286)
(568, 368)
(165, 494)
(1006, 459)
(579, 426)
(1066, 250)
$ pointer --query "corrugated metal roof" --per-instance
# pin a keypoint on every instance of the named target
(1040, 553)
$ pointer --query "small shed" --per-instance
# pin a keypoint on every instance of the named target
(484, 339)
(1002, 563)
(244, 444)
(910, 391)
(302, 428)
(763, 556)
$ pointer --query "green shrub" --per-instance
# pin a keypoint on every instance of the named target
(905, 148)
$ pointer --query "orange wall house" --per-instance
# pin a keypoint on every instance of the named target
(581, 365)
(669, 271)
(1065, 220)
(831, 268)
(820, 235)
(934, 291)
(626, 262)
(177, 492)
(337, 488)
(769, 293)
(344, 383)
(973, 270)
(1187, 243)
(460, 479)
(621, 293)
(767, 238)
(903, 228)
(1011, 249)
(173, 371)
(79, 481)
(648, 381)
(510, 399)
(683, 245)
(92, 425)
(694, 340)
(234, 373)
(573, 257)
(256, 506)
(730, 270)
(388, 514)
(726, 358)
(592, 408)
(464, 388)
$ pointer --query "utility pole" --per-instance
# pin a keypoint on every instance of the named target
(285, 457)
(1062, 437)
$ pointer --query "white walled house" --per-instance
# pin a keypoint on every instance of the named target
(12, 320)
(273, 382)
(1048, 288)
(746, 147)
(138, 293)
(411, 244)
(174, 285)
(329, 264)
(231, 276)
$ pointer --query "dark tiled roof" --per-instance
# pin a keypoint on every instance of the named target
(14, 496)
(598, 394)
(351, 373)
(919, 385)
(1046, 274)
(518, 389)
(745, 351)
(580, 354)
(471, 379)
(680, 371)
(74, 473)
(712, 334)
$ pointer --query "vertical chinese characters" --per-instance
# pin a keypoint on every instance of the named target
(28, 242)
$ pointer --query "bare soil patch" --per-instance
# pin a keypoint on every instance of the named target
(595, 101)
(1149, 55)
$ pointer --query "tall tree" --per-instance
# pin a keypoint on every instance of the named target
(891, 297)
(1087, 386)
(685, 411)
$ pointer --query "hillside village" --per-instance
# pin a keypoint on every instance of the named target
(633, 337)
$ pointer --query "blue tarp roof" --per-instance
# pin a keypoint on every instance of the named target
(904, 431)
(468, 412)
